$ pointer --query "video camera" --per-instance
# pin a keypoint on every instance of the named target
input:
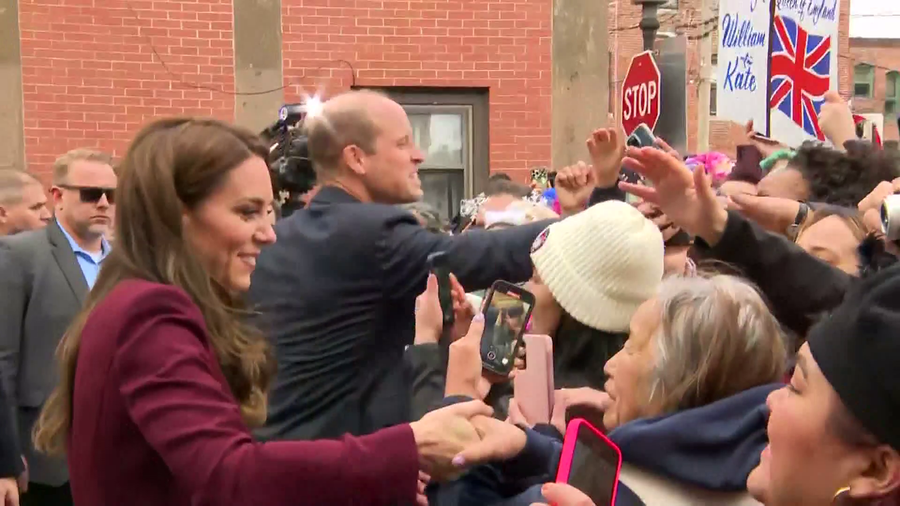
(289, 163)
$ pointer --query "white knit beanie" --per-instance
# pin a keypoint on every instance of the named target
(601, 264)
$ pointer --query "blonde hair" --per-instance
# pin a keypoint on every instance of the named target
(62, 164)
(716, 338)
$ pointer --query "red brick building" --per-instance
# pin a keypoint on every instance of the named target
(475, 74)
(876, 81)
(687, 19)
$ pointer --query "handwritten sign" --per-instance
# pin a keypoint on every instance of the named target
(776, 62)
(803, 67)
(743, 55)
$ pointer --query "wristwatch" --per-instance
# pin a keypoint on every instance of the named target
(798, 220)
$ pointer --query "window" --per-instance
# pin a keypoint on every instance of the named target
(712, 99)
(451, 127)
(863, 80)
(443, 133)
(891, 89)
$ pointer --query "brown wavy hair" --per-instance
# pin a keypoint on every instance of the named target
(172, 165)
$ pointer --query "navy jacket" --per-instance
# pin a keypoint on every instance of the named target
(713, 447)
(336, 294)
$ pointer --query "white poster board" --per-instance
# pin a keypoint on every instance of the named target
(793, 46)
(743, 67)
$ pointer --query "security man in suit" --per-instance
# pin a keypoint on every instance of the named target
(23, 203)
(23, 207)
(337, 292)
(44, 277)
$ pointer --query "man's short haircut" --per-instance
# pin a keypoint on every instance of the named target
(505, 187)
(499, 176)
(12, 182)
(62, 164)
(337, 127)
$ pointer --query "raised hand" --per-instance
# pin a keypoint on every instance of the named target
(607, 148)
(429, 317)
(464, 366)
(836, 120)
(574, 185)
(686, 198)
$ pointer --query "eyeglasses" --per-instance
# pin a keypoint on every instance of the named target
(92, 194)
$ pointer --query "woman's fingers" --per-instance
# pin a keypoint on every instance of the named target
(645, 193)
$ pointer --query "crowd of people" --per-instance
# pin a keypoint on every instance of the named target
(732, 326)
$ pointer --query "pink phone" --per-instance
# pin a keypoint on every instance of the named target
(533, 387)
(590, 462)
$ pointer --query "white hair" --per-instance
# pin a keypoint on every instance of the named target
(716, 337)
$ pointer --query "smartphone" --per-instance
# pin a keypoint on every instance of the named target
(590, 462)
(437, 264)
(533, 387)
(507, 309)
(642, 137)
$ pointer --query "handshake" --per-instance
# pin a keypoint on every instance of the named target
(456, 437)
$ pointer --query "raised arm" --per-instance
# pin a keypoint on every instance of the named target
(477, 258)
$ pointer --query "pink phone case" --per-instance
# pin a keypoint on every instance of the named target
(568, 452)
(533, 387)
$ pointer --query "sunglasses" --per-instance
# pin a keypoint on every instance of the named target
(92, 194)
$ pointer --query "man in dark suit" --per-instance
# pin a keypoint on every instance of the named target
(337, 291)
(23, 207)
(44, 277)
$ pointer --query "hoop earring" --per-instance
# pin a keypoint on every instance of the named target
(840, 492)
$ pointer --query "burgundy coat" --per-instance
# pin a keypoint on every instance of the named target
(154, 422)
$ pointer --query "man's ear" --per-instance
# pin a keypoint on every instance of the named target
(4, 215)
(881, 478)
(55, 195)
(353, 157)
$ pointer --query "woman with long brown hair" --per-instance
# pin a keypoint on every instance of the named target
(160, 379)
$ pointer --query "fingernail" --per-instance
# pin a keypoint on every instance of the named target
(478, 318)
(459, 461)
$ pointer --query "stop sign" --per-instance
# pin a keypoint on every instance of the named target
(640, 93)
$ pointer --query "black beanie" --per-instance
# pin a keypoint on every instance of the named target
(857, 348)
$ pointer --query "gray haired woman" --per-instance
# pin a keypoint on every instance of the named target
(685, 398)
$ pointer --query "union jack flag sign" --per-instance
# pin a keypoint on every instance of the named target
(801, 73)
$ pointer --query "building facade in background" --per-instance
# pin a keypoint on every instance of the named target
(474, 75)
(875, 56)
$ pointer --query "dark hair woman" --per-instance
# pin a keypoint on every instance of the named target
(160, 380)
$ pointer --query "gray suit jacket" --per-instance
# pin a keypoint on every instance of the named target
(42, 288)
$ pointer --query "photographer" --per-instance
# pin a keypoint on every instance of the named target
(336, 293)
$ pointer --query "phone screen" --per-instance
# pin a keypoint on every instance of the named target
(594, 467)
(438, 265)
(642, 137)
(505, 317)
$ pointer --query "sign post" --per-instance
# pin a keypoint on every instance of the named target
(640, 93)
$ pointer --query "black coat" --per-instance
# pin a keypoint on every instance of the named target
(336, 294)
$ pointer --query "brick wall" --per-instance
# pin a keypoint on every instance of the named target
(626, 40)
(503, 45)
(885, 56)
(91, 77)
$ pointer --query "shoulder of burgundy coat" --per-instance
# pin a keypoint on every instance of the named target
(177, 396)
